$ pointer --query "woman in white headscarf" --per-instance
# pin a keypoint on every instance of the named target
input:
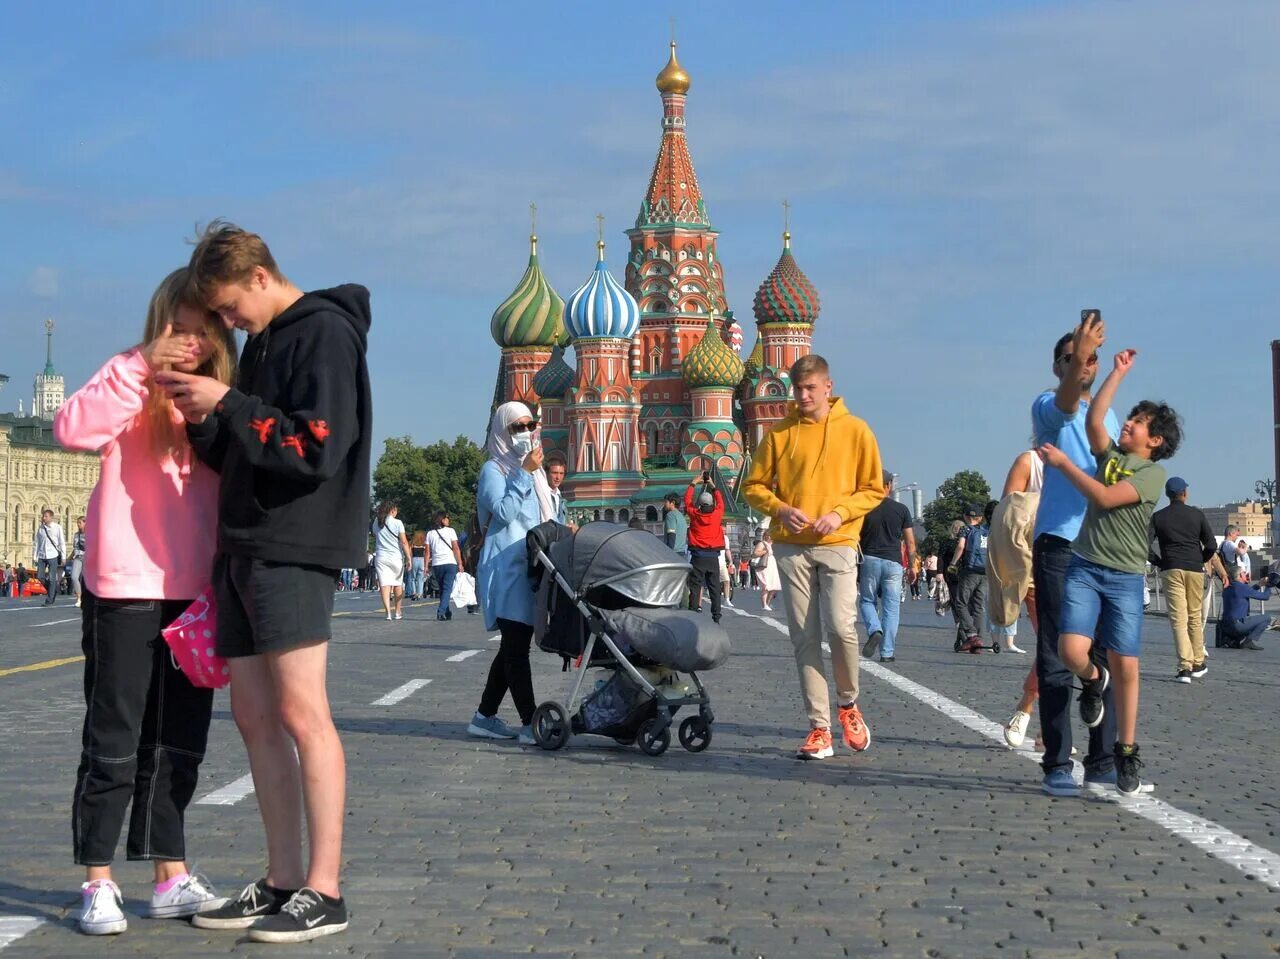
(508, 505)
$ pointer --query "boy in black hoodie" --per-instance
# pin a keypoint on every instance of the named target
(291, 443)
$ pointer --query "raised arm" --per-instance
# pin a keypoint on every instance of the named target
(1096, 422)
(1100, 495)
(1077, 372)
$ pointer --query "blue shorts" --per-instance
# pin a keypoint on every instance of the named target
(1103, 604)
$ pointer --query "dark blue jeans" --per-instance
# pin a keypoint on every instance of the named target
(49, 571)
(445, 574)
(1049, 560)
(1251, 627)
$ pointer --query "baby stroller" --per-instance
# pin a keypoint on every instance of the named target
(606, 602)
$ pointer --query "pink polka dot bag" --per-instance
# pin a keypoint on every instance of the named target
(190, 638)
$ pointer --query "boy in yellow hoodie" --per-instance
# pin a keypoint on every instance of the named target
(818, 473)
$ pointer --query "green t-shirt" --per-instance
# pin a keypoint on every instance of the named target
(678, 526)
(1117, 538)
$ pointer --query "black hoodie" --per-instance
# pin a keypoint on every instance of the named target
(291, 441)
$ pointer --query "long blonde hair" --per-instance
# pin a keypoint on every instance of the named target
(169, 437)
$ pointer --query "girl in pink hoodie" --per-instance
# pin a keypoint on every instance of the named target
(151, 532)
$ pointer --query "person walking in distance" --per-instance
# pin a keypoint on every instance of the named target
(1102, 601)
(446, 561)
(817, 473)
(78, 544)
(884, 531)
(1184, 543)
(292, 445)
(766, 570)
(145, 726)
(969, 565)
(418, 568)
(51, 547)
(392, 556)
(1058, 417)
(675, 528)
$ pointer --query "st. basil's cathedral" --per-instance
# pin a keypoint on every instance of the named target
(659, 392)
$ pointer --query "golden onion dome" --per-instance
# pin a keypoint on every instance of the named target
(673, 78)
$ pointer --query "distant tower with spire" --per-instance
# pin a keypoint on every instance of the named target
(49, 389)
(674, 273)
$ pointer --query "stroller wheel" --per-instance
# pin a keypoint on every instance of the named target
(995, 648)
(695, 734)
(550, 726)
(650, 740)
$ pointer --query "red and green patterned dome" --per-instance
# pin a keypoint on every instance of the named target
(712, 362)
(786, 295)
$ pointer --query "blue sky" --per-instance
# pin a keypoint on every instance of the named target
(963, 179)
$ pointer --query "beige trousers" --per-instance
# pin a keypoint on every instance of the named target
(1184, 592)
(821, 583)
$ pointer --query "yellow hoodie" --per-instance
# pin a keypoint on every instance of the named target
(818, 467)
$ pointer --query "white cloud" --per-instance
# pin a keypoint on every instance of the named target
(44, 282)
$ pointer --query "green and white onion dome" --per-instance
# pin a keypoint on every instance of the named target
(533, 314)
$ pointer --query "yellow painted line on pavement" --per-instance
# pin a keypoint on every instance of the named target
(47, 664)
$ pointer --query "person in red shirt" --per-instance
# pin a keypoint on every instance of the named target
(704, 507)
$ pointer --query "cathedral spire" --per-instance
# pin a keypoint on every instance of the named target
(48, 355)
(673, 195)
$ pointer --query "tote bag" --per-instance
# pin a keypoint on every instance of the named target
(190, 639)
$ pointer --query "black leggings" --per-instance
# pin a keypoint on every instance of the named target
(510, 672)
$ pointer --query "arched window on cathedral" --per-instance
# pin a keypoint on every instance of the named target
(608, 516)
(655, 361)
(624, 516)
(651, 514)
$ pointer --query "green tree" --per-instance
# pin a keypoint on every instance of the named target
(955, 493)
(424, 479)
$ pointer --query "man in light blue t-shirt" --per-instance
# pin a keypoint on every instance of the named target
(1057, 417)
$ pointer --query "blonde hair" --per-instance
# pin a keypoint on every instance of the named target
(225, 253)
(169, 437)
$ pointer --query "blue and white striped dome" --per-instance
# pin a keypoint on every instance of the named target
(601, 307)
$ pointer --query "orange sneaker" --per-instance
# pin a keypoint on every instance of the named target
(817, 746)
(856, 734)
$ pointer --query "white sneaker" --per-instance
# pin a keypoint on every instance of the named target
(1015, 730)
(194, 894)
(767, 608)
(388, 617)
(1014, 648)
(102, 913)
(728, 603)
(399, 616)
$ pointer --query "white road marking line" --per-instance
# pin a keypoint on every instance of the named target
(465, 654)
(1255, 861)
(229, 794)
(24, 609)
(496, 639)
(56, 622)
(401, 693)
(13, 928)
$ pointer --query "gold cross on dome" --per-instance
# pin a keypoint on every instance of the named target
(600, 227)
(533, 218)
(786, 216)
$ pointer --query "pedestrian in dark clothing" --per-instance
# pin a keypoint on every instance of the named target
(1241, 630)
(704, 508)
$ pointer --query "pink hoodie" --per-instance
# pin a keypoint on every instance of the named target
(151, 526)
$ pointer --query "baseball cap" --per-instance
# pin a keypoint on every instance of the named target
(706, 501)
(1175, 485)
(973, 509)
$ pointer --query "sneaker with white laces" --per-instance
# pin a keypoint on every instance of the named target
(490, 727)
(817, 745)
(1015, 730)
(191, 895)
(256, 900)
(102, 909)
(307, 915)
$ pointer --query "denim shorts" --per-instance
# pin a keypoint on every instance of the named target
(1104, 604)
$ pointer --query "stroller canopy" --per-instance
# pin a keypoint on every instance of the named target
(632, 562)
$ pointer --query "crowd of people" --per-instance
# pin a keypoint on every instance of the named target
(263, 462)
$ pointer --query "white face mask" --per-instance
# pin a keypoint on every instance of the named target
(524, 443)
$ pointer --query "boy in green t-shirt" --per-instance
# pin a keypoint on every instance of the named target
(1102, 599)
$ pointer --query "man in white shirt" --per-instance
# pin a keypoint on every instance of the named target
(51, 546)
(556, 470)
(446, 561)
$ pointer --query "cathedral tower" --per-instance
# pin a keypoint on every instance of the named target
(49, 388)
(526, 325)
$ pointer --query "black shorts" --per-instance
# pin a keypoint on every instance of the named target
(266, 607)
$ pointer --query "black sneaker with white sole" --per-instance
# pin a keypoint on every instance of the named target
(308, 915)
(1091, 690)
(1129, 770)
(1199, 670)
(255, 901)
(1184, 676)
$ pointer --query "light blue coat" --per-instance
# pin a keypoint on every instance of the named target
(507, 507)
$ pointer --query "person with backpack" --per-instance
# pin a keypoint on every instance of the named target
(705, 510)
(969, 565)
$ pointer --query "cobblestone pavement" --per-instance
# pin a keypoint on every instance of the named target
(934, 843)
